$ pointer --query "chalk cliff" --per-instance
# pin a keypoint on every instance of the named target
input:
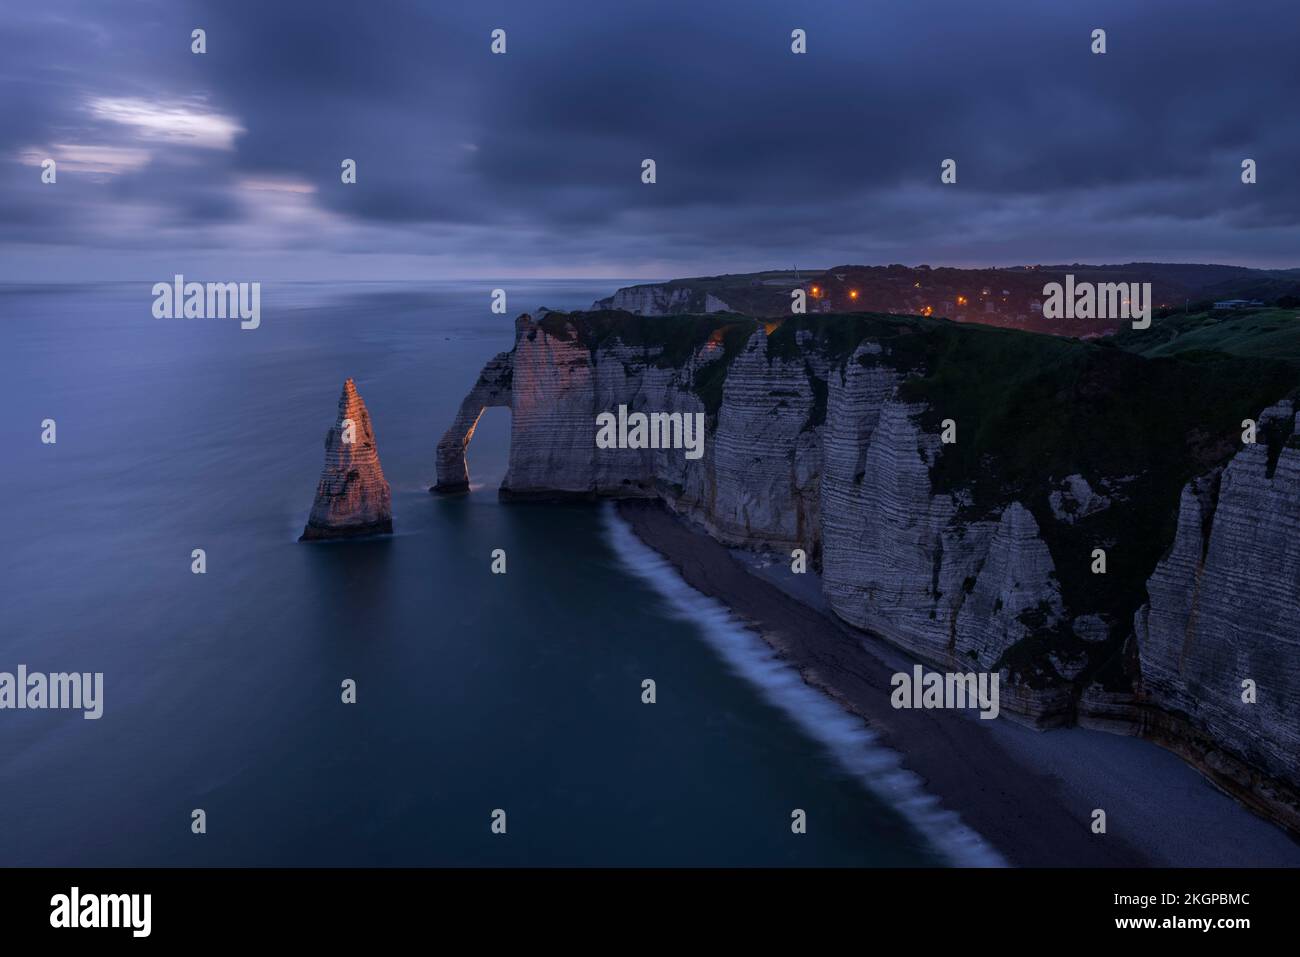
(352, 497)
(1219, 639)
(824, 433)
(652, 300)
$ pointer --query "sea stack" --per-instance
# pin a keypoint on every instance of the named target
(352, 498)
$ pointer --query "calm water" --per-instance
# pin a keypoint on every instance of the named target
(475, 691)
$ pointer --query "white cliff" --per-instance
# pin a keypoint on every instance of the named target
(1224, 609)
(662, 300)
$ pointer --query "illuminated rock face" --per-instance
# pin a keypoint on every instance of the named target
(352, 497)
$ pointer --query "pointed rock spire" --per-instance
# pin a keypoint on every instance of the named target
(352, 498)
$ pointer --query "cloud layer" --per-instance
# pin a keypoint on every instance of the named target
(471, 164)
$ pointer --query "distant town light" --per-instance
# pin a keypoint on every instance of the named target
(853, 294)
(928, 311)
(961, 300)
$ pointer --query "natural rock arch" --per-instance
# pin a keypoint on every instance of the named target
(492, 389)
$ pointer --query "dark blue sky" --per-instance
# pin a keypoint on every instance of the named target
(528, 164)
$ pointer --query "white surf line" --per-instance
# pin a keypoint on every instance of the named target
(844, 735)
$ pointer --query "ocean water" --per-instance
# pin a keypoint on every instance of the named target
(474, 691)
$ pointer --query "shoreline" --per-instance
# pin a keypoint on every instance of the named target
(1028, 793)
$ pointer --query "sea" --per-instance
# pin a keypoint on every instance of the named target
(513, 698)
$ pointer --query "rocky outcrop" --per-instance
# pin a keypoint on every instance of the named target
(1219, 640)
(352, 497)
(493, 388)
(823, 436)
(1075, 499)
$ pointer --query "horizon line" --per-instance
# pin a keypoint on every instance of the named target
(647, 280)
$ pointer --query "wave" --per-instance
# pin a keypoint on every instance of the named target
(843, 735)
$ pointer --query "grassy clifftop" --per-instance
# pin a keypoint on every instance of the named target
(1262, 333)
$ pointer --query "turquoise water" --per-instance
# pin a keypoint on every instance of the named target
(475, 691)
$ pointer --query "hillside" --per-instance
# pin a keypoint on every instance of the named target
(1006, 297)
(1263, 333)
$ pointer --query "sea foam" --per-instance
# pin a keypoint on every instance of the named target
(844, 735)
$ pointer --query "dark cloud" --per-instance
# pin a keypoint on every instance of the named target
(478, 163)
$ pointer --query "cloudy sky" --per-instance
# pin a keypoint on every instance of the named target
(528, 164)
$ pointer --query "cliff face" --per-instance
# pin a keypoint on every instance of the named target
(825, 434)
(897, 560)
(649, 300)
(352, 497)
(1224, 612)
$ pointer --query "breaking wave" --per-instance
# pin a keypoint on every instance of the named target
(845, 736)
